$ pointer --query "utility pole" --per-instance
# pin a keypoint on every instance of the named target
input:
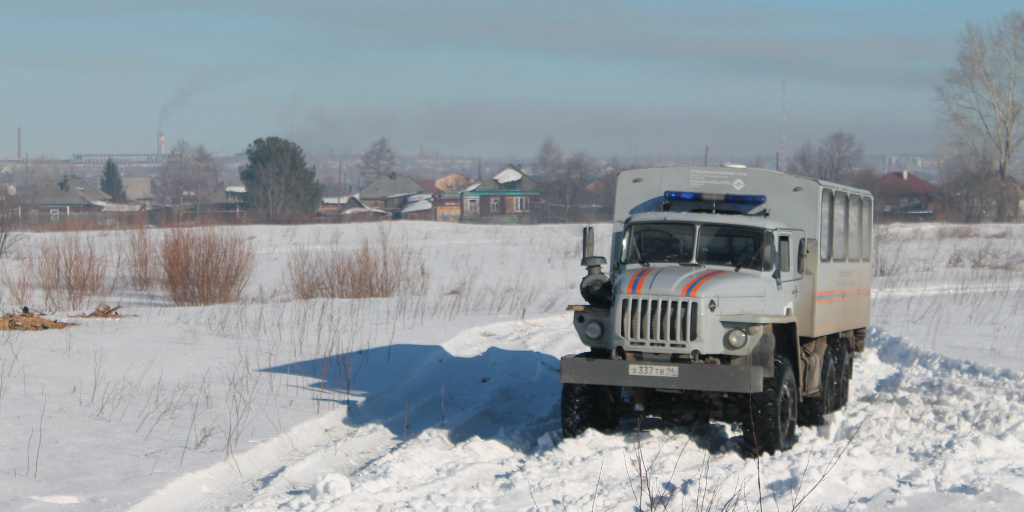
(341, 182)
(780, 160)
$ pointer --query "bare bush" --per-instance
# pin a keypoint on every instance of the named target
(141, 259)
(889, 259)
(205, 266)
(988, 256)
(18, 283)
(378, 269)
(68, 271)
(957, 231)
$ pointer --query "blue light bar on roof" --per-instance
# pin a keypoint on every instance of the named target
(753, 200)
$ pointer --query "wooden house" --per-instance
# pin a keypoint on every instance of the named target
(503, 199)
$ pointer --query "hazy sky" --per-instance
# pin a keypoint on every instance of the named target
(475, 78)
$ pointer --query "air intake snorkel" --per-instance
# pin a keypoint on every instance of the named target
(595, 288)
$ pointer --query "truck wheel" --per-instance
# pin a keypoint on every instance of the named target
(814, 409)
(589, 406)
(844, 372)
(769, 423)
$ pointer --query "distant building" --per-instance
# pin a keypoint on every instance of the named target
(138, 188)
(904, 196)
(389, 192)
(68, 196)
(453, 183)
(348, 209)
(503, 199)
(120, 159)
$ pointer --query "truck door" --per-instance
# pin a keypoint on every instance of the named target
(790, 274)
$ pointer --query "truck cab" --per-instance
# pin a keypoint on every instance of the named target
(717, 303)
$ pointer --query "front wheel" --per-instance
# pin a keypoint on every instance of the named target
(589, 406)
(769, 423)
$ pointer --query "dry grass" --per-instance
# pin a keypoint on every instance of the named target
(68, 270)
(377, 269)
(140, 259)
(204, 266)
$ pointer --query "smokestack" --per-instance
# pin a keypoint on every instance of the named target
(19, 143)
(160, 143)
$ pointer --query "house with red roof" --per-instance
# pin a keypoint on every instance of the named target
(903, 196)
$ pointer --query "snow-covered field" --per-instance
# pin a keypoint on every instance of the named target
(448, 399)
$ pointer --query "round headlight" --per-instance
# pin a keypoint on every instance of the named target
(736, 338)
(593, 330)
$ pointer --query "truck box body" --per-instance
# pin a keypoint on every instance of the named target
(836, 297)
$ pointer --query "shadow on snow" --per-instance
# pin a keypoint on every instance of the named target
(509, 396)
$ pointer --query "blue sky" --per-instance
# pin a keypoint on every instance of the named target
(484, 78)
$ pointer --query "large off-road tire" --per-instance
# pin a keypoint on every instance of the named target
(844, 372)
(813, 409)
(769, 423)
(588, 406)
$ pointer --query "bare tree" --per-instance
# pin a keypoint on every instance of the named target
(549, 158)
(376, 161)
(566, 185)
(982, 99)
(983, 96)
(10, 218)
(839, 154)
(189, 175)
(804, 161)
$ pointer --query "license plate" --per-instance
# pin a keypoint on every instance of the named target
(652, 370)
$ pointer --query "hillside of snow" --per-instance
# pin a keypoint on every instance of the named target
(447, 398)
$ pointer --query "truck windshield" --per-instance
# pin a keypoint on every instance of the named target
(735, 247)
(658, 243)
(732, 246)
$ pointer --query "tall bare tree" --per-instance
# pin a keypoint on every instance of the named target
(804, 160)
(982, 101)
(189, 175)
(982, 98)
(549, 158)
(376, 161)
(837, 156)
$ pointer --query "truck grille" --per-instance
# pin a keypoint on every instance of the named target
(657, 320)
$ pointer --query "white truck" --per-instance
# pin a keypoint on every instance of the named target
(733, 294)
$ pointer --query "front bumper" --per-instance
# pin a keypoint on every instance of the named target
(582, 369)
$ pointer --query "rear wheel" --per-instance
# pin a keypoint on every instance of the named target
(589, 406)
(844, 372)
(769, 423)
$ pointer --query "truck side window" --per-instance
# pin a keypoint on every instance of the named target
(855, 231)
(866, 211)
(784, 254)
(839, 232)
(825, 237)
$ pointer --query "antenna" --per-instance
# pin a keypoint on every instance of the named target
(781, 160)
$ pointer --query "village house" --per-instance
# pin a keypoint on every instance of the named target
(389, 192)
(448, 200)
(903, 196)
(502, 199)
(348, 208)
(69, 196)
